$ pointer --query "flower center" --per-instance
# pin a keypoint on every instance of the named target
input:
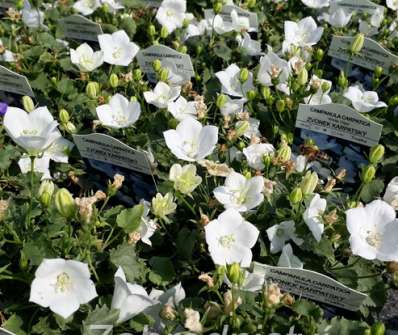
(190, 147)
(64, 283)
(117, 53)
(373, 239)
(119, 118)
(275, 71)
(86, 61)
(89, 3)
(169, 13)
(227, 241)
(29, 132)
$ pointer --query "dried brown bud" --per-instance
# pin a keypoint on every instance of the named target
(330, 185)
(206, 278)
(331, 217)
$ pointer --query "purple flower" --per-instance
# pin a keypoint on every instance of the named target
(3, 108)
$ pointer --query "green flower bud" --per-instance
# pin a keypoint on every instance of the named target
(113, 80)
(217, 7)
(357, 44)
(243, 75)
(46, 191)
(393, 101)
(376, 154)
(267, 159)
(234, 273)
(325, 86)
(70, 128)
(251, 4)
(342, 80)
(137, 74)
(319, 53)
(280, 105)
(198, 49)
(284, 153)
(265, 92)
(241, 145)
(378, 328)
(296, 196)
(221, 101)
(28, 104)
(368, 174)
(164, 74)
(23, 261)
(251, 95)
(183, 49)
(309, 183)
(157, 65)
(92, 89)
(164, 32)
(64, 116)
(302, 77)
(241, 127)
(133, 98)
(151, 30)
(367, 332)
(395, 278)
(64, 203)
(378, 71)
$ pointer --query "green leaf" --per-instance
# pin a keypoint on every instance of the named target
(43, 327)
(307, 308)
(124, 256)
(14, 324)
(223, 51)
(37, 249)
(341, 326)
(129, 219)
(186, 240)
(100, 316)
(372, 190)
(139, 322)
(162, 270)
(41, 83)
(7, 155)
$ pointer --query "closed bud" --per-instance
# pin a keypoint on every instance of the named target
(137, 74)
(378, 328)
(325, 87)
(378, 71)
(251, 95)
(45, 192)
(133, 99)
(319, 53)
(64, 203)
(70, 128)
(309, 183)
(357, 44)
(367, 332)
(164, 32)
(243, 75)
(164, 74)
(157, 65)
(151, 30)
(241, 128)
(368, 174)
(234, 273)
(23, 261)
(284, 154)
(217, 7)
(296, 196)
(28, 104)
(267, 159)
(221, 101)
(393, 101)
(113, 80)
(342, 80)
(92, 89)
(265, 92)
(251, 3)
(280, 105)
(302, 77)
(183, 49)
(64, 116)
(376, 154)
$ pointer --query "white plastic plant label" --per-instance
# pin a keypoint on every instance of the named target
(105, 148)
(226, 15)
(5, 332)
(179, 63)
(371, 55)
(7, 4)
(80, 28)
(339, 121)
(359, 6)
(13, 82)
(312, 285)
